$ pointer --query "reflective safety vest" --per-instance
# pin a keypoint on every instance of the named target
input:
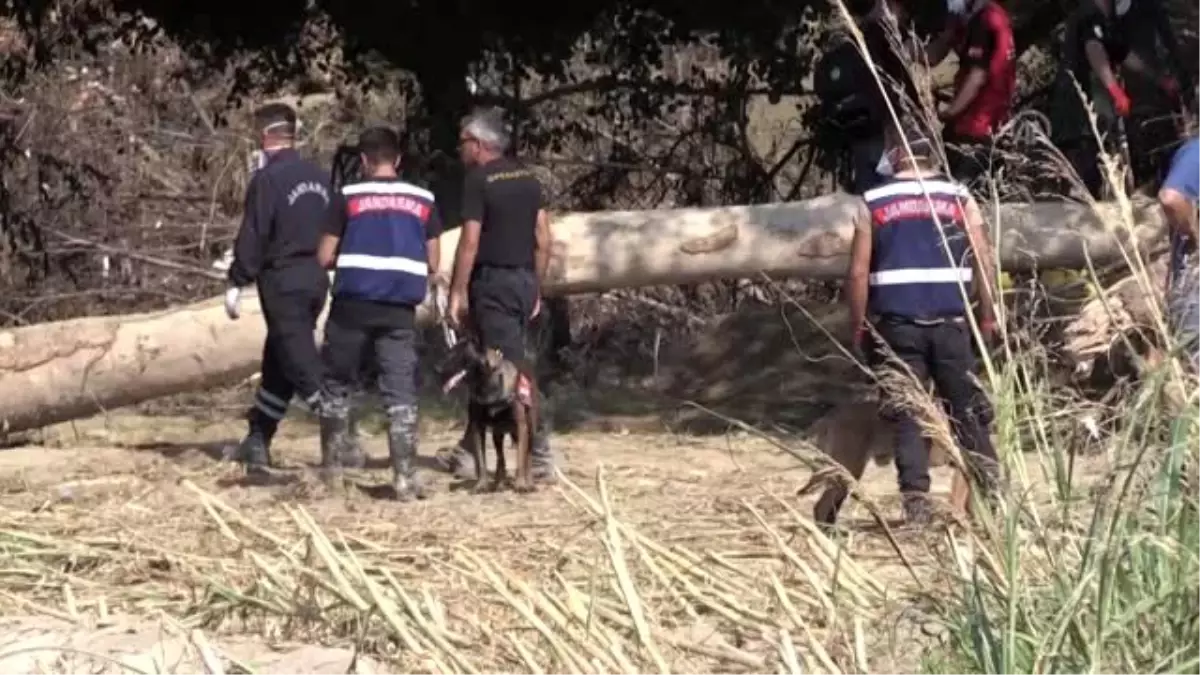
(919, 255)
(382, 256)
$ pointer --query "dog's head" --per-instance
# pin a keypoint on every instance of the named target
(491, 377)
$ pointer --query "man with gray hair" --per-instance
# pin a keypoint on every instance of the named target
(503, 252)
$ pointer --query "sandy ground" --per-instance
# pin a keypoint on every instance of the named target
(132, 493)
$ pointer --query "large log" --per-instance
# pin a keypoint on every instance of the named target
(60, 371)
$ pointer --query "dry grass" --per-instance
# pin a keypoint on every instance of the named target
(654, 553)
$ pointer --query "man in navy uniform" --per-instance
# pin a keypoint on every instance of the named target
(286, 202)
(382, 238)
(919, 243)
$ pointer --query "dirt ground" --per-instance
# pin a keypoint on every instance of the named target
(129, 544)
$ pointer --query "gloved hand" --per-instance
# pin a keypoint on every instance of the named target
(233, 301)
(1120, 100)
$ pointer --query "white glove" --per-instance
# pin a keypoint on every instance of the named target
(233, 300)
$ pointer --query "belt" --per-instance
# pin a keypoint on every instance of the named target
(925, 321)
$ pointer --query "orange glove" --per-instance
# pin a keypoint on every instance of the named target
(1120, 100)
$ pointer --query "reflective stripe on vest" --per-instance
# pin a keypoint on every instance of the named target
(912, 272)
(382, 254)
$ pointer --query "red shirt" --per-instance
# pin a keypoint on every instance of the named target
(987, 43)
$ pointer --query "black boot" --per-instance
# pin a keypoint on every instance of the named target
(402, 451)
(353, 456)
(917, 511)
(335, 432)
(254, 452)
(543, 457)
(458, 461)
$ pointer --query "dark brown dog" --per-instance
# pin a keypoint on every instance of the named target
(852, 435)
(503, 399)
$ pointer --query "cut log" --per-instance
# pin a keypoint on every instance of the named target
(60, 371)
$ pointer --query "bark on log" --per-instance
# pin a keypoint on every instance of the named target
(65, 370)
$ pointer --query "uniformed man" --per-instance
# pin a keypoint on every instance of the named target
(854, 109)
(980, 31)
(1178, 197)
(1100, 40)
(502, 256)
(382, 238)
(918, 244)
(286, 202)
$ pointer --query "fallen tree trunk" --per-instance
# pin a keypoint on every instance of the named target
(60, 371)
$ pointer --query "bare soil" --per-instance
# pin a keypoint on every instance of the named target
(123, 537)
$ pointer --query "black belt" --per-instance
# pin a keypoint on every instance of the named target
(925, 321)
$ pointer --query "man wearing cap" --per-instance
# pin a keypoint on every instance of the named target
(919, 243)
(276, 248)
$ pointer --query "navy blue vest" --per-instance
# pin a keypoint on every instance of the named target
(916, 264)
(382, 256)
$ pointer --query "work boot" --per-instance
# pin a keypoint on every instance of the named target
(335, 436)
(543, 457)
(402, 451)
(255, 454)
(917, 511)
(352, 456)
(458, 461)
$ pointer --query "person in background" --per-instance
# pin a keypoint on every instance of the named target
(287, 200)
(382, 238)
(500, 265)
(854, 109)
(1099, 40)
(1178, 197)
(980, 32)
(919, 243)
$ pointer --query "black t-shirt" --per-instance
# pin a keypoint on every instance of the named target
(979, 44)
(505, 196)
(1112, 32)
(368, 313)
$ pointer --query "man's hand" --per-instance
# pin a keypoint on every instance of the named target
(1120, 100)
(233, 301)
(857, 338)
(457, 310)
(987, 330)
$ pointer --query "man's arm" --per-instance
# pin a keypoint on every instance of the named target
(542, 245)
(1098, 61)
(250, 246)
(433, 242)
(981, 258)
(331, 232)
(858, 276)
(468, 240)
(981, 49)
(939, 47)
(1180, 190)
(1180, 212)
